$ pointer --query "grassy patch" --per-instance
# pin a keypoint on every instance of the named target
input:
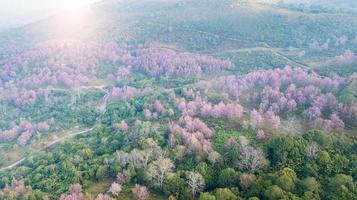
(99, 187)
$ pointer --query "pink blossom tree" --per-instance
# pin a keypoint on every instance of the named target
(75, 193)
(140, 192)
(115, 189)
(260, 135)
(124, 126)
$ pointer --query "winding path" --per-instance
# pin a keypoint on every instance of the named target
(47, 146)
(12, 165)
(98, 87)
(264, 46)
(276, 51)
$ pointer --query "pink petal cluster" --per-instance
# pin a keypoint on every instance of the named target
(198, 106)
(75, 193)
(158, 61)
(18, 187)
(153, 111)
(24, 131)
(123, 93)
(194, 133)
(124, 126)
(140, 192)
(278, 91)
(347, 58)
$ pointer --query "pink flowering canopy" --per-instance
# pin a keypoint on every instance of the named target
(275, 92)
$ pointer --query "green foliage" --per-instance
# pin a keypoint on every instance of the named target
(349, 93)
(100, 173)
(287, 179)
(207, 196)
(257, 60)
(310, 184)
(225, 194)
(220, 142)
(228, 178)
(176, 186)
(342, 187)
(209, 174)
(287, 152)
(274, 193)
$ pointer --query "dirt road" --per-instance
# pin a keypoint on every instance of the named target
(48, 146)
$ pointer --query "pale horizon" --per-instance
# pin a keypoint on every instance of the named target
(20, 12)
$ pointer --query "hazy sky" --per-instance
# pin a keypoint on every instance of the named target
(18, 6)
(18, 12)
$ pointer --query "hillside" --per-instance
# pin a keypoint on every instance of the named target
(180, 99)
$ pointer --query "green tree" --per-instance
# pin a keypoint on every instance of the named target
(245, 180)
(310, 184)
(342, 187)
(349, 93)
(287, 152)
(310, 196)
(287, 179)
(100, 173)
(228, 178)
(274, 193)
(175, 185)
(207, 196)
(208, 174)
(5, 180)
(225, 194)
(324, 162)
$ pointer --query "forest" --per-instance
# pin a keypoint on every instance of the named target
(181, 100)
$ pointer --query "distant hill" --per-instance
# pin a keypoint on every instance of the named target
(343, 5)
(11, 20)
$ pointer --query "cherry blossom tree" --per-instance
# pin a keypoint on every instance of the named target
(17, 187)
(347, 58)
(121, 93)
(24, 137)
(260, 135)
(122, 73)
(256, 119)
(124, 126)
(158, 107)
(157, 61)
(43, 127)
(75, 193)
(140, 192)
(232, 111)
(115, 189)
(123, 177)
(272, 93)
(25, 130)
(194, 133)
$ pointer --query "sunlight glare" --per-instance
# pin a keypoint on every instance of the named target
(72, 16)
(74, 7)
